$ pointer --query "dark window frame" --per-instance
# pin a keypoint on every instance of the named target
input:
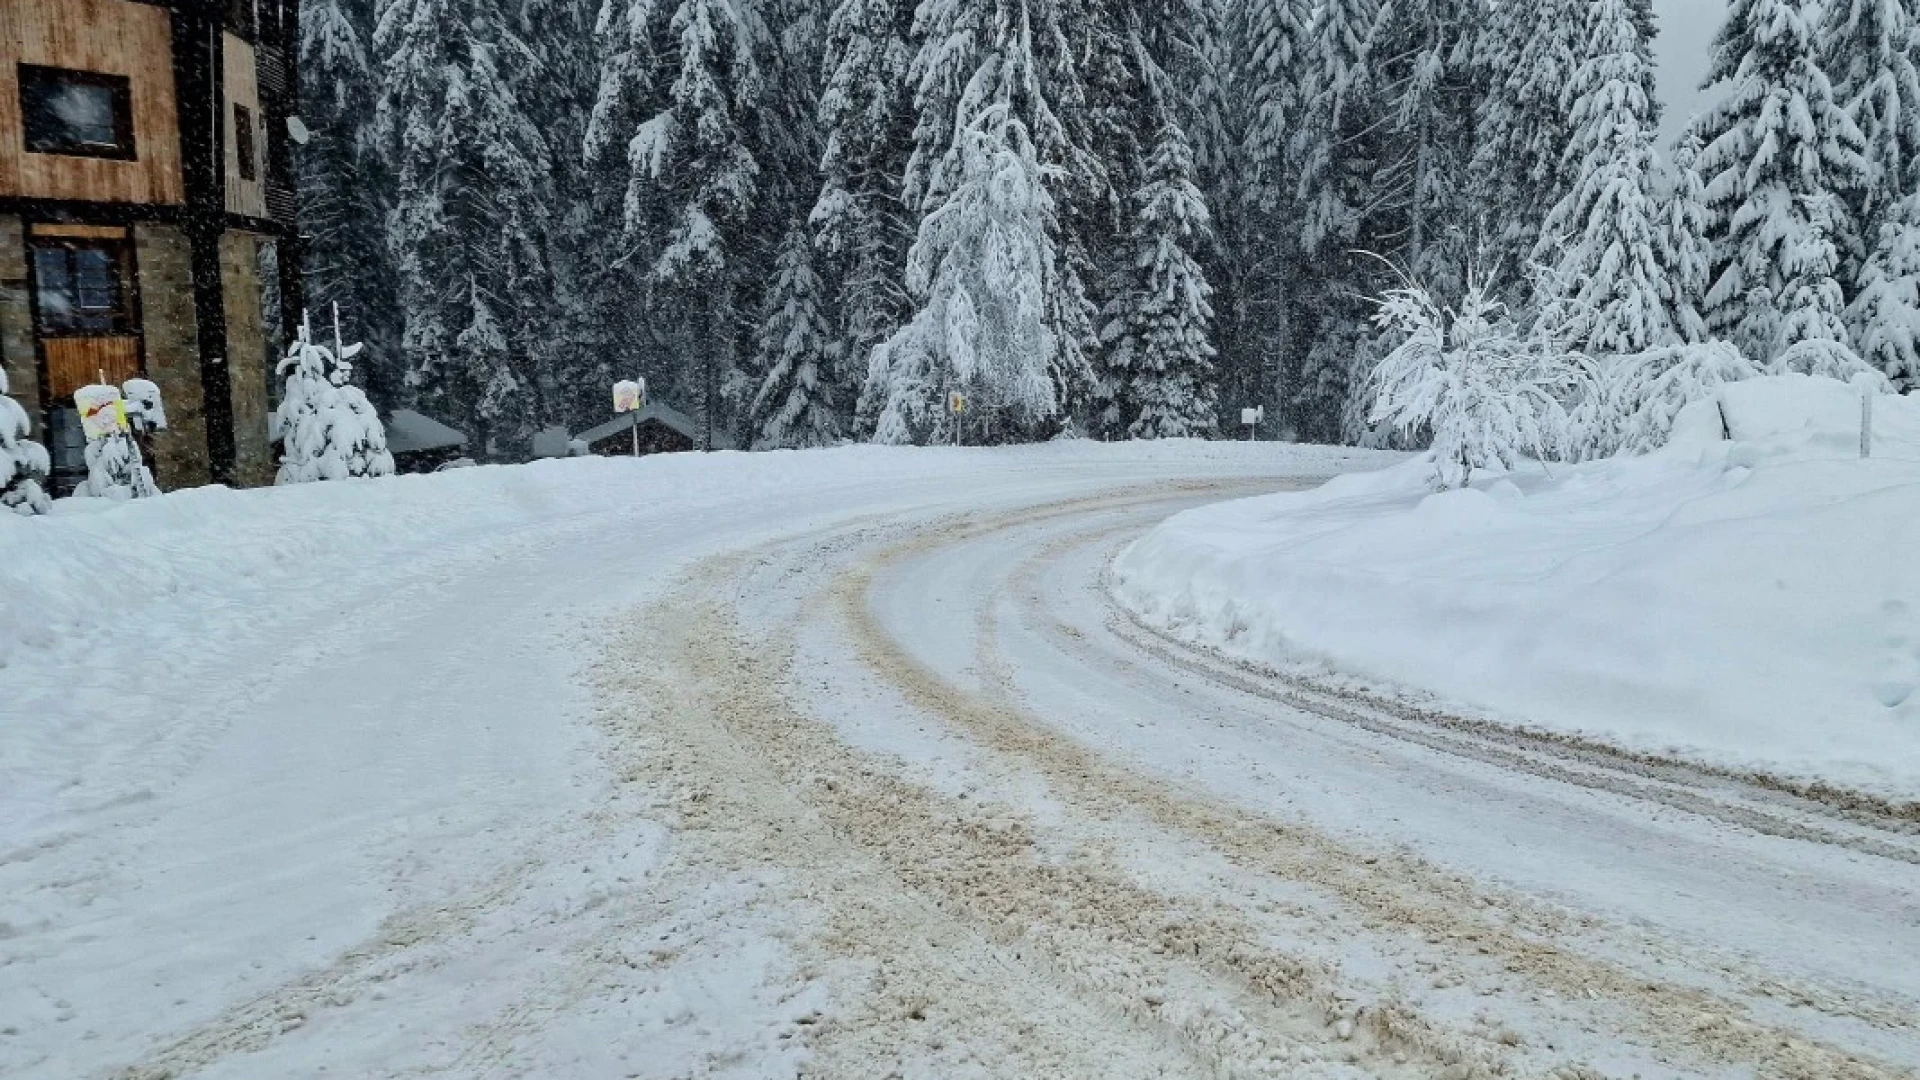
(124, 147)
(246, 145)
(124, 315)
(243, 18)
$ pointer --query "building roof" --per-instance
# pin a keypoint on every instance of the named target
(665, 415)
(409, 432)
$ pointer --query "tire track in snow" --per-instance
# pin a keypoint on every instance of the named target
(1391, 892)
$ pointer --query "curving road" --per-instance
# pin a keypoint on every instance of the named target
(897, 790)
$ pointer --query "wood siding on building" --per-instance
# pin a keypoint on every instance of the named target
(240, 74)
(111, 37)
(74, 362)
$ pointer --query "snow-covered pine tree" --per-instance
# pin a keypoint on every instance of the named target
(797, 403)
(1253, 191)
(1527, 55)
(346, 185)
(862, 227)
(326, 428)
(1419, 71)
(1871, 51)
(687, 100)
(469, 228)
(1607, 229)
(23, 462)
(1159, 353)
(1345, 135)
(982, 269)
(1781, 156)
(1685, 251)
(1886, 312)
(987, 77)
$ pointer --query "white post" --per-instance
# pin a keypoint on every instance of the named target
(636, 432)
(1867, 385)
(1866, 423)
(338, 345)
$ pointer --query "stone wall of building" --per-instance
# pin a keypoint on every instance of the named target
(247, 358)
(16, 324)
(165, 264)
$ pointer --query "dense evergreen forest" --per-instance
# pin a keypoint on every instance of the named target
(808, 221)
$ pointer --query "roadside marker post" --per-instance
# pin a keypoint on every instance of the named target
(1253, 418)
(630, 396)
(957, 405)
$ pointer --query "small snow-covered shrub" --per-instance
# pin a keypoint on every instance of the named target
(326, 427)
(1645, 392)
(23, 462)
(115, 467)
(1488, 393)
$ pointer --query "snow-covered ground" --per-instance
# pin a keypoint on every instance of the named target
(248, 733)
(1753, 603)
(838, 764)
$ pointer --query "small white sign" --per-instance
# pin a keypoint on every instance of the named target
(629, 395)
(1251, 417)
(956, 403)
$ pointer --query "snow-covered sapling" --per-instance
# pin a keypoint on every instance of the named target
(115, 467)
(23, 462)
(327, 428)
(1645, 393)
(1489, 394)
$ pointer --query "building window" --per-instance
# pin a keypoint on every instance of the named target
(78, 113)
(81, 288)
(241, 18)
(243, 144)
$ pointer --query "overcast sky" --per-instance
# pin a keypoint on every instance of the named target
(1686, 33)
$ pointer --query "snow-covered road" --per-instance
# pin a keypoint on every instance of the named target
(848, 766)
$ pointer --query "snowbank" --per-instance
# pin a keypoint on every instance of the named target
(101, 599)
(1754, 603)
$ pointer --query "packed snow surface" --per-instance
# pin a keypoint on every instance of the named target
(1753, 602)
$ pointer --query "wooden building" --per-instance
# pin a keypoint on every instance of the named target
(147, 219)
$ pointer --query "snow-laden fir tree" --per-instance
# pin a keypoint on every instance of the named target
(469, 228)
(1528, 54)
(1159, 354)
(115, 467)
(326, 428)
(1607, 230)
(693, 107)
(982, 270)
(1644, 394)
(1345, 134)
(1419, 70)
(1256, 99)
(797, 403)
(1486, 393)
(863, 228)
(1886, 311)
(1871, 51)
(346, 186)
(1781, 156)
(1685, 251)
(1872, 48)
(23, 462)
(1007, 69)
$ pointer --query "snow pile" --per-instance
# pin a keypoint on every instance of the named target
(1754, 603)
